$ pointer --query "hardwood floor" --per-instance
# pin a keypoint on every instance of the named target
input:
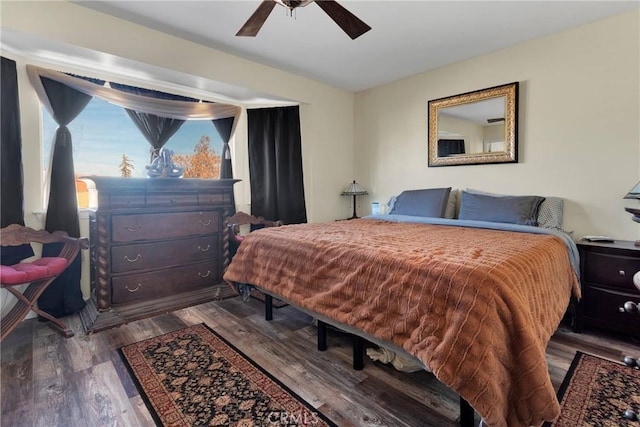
(47, 380)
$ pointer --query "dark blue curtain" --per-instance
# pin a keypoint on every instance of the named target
(157, 130)
(64, 295)
(11, 191)
(224, 128)
(275, 164)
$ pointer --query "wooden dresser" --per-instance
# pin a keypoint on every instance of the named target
(607, 271)
(156, 245)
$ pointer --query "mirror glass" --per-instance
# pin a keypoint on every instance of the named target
(474, 128)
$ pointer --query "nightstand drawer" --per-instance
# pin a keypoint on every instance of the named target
(610, 269)
(604, 305)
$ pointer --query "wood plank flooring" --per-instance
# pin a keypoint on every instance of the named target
(47, 380)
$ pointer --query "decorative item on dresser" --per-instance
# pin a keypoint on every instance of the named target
(609, 272)
(157, 245)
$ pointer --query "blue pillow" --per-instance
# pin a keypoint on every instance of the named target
(431, 202)
(510, 209)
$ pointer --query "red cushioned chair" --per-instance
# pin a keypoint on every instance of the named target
(38, 273)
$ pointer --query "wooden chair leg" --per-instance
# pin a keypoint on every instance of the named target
(55, 323)
(26, 302)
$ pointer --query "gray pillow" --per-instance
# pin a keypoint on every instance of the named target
(431, 202)
(550, 214)
(510, 209)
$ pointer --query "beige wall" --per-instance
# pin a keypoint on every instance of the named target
(579, 125)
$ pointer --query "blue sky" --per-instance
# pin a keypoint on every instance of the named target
(102, 132)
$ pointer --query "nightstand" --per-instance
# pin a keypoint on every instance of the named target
(606, 271)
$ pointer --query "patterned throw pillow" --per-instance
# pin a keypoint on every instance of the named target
(550, 214)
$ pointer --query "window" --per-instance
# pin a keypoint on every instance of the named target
(106, 142)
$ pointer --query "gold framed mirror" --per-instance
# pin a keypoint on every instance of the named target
(474, 128)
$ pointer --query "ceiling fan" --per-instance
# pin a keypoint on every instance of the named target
(350, 24)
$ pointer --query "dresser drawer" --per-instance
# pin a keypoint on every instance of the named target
(126, 199)
(610, 269)
(604, 305)
(156, 200)
(170, 253)
(214, 199)
(162, 283)
(130, 228)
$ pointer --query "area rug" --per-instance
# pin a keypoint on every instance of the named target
(596, 392)
(194, 377)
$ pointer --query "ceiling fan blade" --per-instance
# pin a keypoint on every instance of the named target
(350, 24)
(255, 21)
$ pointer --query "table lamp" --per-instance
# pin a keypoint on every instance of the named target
(354, 189)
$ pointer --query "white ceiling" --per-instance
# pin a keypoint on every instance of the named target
(407, 37)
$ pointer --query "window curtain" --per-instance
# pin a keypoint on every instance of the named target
(225, 129)
(64, 295)
(275, 164)
(175, 107)
(11, 191)
(157, 130)
(157, 114)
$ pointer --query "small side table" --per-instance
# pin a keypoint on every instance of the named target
(607, 271)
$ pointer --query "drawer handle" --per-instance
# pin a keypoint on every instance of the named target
(132, 260)
(636, 280)
(133, 229)
(205, 275)
(205, 223)
(630, 307)
(133, 290)
(621, 272)
(205, 249)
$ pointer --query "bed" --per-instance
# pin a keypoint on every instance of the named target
(475, 301)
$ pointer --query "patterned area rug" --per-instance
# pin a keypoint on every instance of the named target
(194, 377)
(596, 392)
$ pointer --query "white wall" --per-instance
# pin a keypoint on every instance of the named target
(579, 125)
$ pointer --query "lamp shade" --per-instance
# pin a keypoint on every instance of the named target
(634, 193)
(354, 189)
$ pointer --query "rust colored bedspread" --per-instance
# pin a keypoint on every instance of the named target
(476, 306)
